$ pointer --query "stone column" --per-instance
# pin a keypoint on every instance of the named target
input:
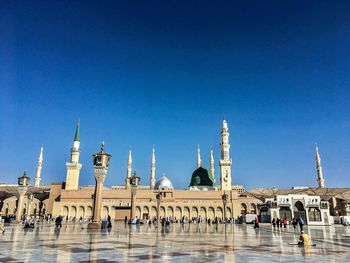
(100, 175)
(133, 202)
(21, 193)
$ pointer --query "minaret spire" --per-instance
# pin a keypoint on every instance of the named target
(128, 171)
(74, 167)
(212, 169)
(225, 161)
(153, 170)
(320, 178)
(37, 178)
(199, 161)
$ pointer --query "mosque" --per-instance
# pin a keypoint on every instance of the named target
(203, 198)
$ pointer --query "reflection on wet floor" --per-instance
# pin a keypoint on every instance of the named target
(182, 243)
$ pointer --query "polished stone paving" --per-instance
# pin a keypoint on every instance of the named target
(179, 243)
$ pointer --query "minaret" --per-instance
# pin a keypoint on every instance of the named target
(128, 171)
(199, 161)
(320, 179)
(212, 162)
(225, 161)
(153, 170)
(37, 178)
(74, 167)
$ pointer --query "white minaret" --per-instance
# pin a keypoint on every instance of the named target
(199, 161)
(37, 178)
(320, 179)
(128, 171)
(225, 161)
(153, 170)
(74, 167)
(212, 162)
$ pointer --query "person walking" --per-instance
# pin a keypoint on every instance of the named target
(301, 224)
(294, 222)
(256, 224)
(278, 221)
(285, 222)
(274, 222)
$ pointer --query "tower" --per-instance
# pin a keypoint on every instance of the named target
(320, 179)
(37, 178)
(212, 163)
(74, 167)
(199, 161)
(153, 170)
(128, 171)
(225, 161)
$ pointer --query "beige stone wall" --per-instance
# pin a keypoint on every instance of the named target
(177, 203)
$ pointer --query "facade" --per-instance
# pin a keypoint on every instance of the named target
(209, 201)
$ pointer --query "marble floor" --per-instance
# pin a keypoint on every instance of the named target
(188, 243)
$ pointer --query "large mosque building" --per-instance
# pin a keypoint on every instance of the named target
(203, 198)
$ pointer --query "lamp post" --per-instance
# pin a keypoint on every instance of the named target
(159, 199)
(101, 164)
(224, 200)
(22, 189)
(134, 184)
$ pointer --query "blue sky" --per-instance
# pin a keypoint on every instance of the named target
(165, 73)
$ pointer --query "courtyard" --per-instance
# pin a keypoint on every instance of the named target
(177, 243)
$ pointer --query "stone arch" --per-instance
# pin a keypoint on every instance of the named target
(65, 212)
(73, 213)
(81, 212)
(253, 208)
(186, 212)
(88, 213)
(162, 211)
(153, 211)
(243, 209)
(178, 213)
(145, 212)
(170, 211)
(219, 212)
(138, 211)
(105, 212)
(211, 213)
(228, 212)
(203, 212)
(194, 212)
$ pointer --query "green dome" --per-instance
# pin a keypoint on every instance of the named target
(202, 177)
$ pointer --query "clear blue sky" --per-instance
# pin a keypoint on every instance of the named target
(165, 73)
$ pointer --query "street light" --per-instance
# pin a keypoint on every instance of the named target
(224, 200)
(159, 199)
(134, 184)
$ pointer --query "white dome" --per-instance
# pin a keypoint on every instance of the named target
(163, 183)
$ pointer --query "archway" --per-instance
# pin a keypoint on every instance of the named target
(243, 209)
(154, 211)
(178, 214)
(203, 213)
(299, 211)
(162, 211)
(194, 212)
(253, 209)
(219, 212)
(88, 212)
(81, 212)
(145, 212)
(211, 213)
(170, 212)
(138, 211)
(186, 212)
(65, 211)
(228, 212)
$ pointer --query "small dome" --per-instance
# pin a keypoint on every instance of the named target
(163, 183)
